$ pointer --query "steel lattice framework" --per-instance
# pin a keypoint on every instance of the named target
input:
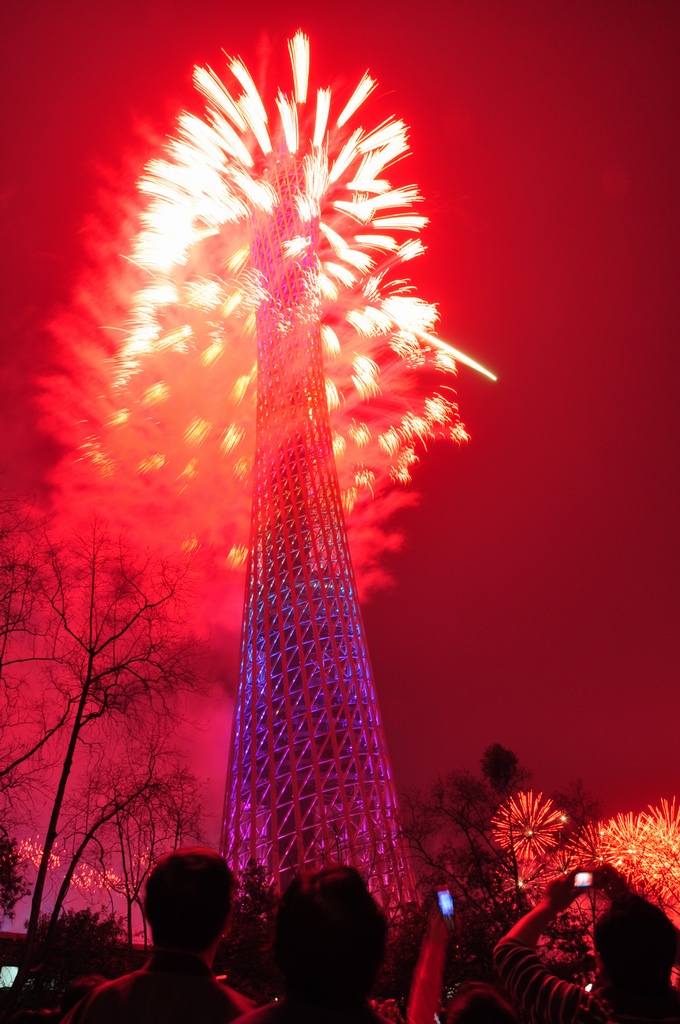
(309, 777)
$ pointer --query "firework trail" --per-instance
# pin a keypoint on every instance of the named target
(173, 423)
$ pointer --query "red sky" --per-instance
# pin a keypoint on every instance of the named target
(536, 598)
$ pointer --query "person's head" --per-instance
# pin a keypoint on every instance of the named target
(636, 944)
(479, 1003)
(330, 936)
(188, 899)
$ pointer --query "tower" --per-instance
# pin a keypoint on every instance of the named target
(273, 336)
(309, 777)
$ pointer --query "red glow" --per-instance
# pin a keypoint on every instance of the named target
(535, 596)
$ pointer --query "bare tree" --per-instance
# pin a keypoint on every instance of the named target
(19, 588)
(164, 818)
(28, 717)
(13, 885)
(122, 817)
(120, 658)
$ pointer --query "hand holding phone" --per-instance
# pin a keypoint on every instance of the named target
(445, 902)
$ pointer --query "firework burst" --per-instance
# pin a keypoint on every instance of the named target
(529, 825)
(590, 846)
(646, 849)
(31, 851)
(663, 827)
(624, 838)
(88, 880)
(662, 851)
(178, 413)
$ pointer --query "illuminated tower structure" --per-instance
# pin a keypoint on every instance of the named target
(273, 331)
(309, 779)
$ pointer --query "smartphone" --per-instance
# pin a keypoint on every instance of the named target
(583, 880)
(445, 901)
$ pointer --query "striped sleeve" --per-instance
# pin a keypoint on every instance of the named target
(543, 997)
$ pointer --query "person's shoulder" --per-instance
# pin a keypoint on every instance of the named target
(272, 1013)
(109, 994)
(618, 1005)
(122, 998)
(210, 998)
(242, 1004)
(293, 1012)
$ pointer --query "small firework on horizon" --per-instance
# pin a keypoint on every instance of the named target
(529, 825)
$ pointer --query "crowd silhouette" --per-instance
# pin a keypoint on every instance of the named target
(329, 943)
